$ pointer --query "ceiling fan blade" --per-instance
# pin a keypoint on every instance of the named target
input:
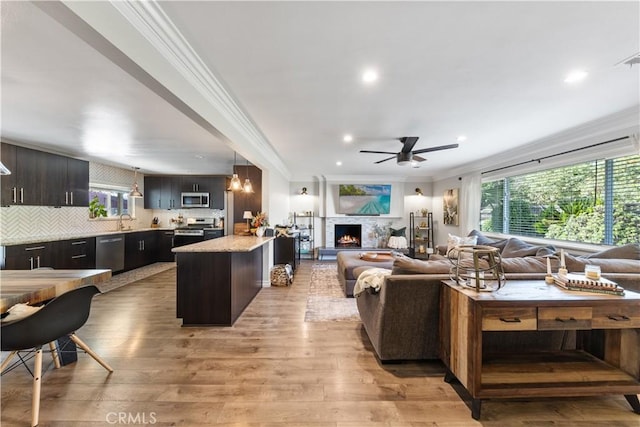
(376, 152)
(384, 160)
(418, 158)
(441, 147)
(408, 143)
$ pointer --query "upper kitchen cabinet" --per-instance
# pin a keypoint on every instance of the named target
(214, 185)
(165, 191)
(43, 179)
(162, 192)
(78, 182)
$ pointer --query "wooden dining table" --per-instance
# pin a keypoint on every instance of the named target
(36, 286)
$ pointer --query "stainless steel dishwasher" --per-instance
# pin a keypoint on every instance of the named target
(110, 252)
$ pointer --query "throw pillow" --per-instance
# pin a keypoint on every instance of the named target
(454, 241)
(400, 232)
(481, 239)
(518, 248)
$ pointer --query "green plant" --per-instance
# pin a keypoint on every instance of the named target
(96, 209)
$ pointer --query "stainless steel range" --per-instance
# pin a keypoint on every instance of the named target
(197, 230)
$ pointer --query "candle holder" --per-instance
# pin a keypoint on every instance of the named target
(476, 266)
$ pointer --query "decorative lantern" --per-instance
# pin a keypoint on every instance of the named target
(476, 266)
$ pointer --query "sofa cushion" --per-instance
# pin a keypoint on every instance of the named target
(630, 251)
(608, 265)
(405, 265)
(518, 248)
(529, 264)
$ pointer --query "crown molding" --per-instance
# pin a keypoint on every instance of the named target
(152, 23)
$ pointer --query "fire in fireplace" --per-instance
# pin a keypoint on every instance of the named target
(348, 235)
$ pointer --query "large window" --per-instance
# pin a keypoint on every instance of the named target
(593, 202)
(115, 200)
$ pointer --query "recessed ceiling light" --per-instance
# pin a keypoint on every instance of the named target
(338, 163)
(347, 138)
(576, 76)
(461, 138)
(369, 76)
(199, 156)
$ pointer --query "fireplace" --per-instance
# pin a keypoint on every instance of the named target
(348, 235)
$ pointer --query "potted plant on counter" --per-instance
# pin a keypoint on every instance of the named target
(96, 209)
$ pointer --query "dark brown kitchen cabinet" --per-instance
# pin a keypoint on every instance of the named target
(43, 179)
(7, 183)
(77, 182)
(140, 249)
(162, 192)
(216, 192)
(28, 257)
(22, 187)
(165, 244)
(74, 254)
(212, 184)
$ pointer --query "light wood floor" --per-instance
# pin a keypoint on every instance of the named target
(269, 369)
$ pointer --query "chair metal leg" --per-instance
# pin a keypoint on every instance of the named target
(6, 361)
(54, 354)
(90, 352)
(37, 375)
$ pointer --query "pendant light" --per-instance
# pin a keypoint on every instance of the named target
(247, 187)
(4, 170)
(135, 191)
(234, 184)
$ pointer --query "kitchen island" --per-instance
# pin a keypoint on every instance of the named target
(217, 279)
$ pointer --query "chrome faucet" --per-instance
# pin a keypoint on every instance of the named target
(121, 224)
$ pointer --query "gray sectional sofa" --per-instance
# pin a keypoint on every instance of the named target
(402, 318)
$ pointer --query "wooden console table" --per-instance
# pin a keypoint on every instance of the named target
(610, 365)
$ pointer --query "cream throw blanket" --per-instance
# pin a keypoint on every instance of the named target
(370, 278)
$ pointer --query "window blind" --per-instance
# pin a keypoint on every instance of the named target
(591, 202)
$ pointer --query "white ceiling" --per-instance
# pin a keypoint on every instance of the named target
(492, 71)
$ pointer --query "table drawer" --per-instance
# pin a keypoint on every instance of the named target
(616, 317)
(560, 318)
(509, 319)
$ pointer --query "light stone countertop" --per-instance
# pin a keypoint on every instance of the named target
(226, 244)
(71, 236)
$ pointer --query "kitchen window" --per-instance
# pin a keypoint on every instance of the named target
(115, 200)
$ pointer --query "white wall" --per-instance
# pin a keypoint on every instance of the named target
(441, 231)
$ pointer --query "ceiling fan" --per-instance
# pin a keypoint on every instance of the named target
(407, 154)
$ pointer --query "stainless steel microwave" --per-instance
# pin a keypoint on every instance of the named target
(195, 200)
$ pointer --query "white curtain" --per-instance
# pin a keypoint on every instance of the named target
(470, 201)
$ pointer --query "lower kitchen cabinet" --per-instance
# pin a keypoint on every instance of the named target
(28, 257)
(165, 244)
(140, 249)
(74, 254)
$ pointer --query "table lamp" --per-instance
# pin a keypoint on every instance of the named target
(247, 215)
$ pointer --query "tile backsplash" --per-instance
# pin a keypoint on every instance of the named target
(19, 224)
